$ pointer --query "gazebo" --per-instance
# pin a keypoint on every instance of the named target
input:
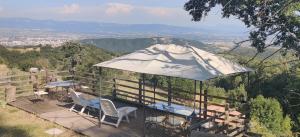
(171, 60)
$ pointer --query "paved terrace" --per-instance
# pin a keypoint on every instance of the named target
(59, 113)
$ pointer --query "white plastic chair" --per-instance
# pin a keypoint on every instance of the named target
(78, 100)
(109, 109)
(38, 94)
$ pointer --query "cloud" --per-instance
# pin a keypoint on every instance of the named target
(1, 9)
(71, 9)
(118, 8)
(158, 11)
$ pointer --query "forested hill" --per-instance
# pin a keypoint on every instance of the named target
(132, 44)
(128, 45)
(55, 58)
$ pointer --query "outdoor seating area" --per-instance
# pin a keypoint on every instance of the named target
(86, 124)
(135, 107)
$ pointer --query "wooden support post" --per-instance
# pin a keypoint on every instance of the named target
(154, 90)
(195, 91)
(144, 94)
(169, 91)
(10, 94)
(114, 92)
(100, 88)
(94, 82)
(140, 91)
(226, 118)
(200, 99)
(205, 104)
(144, 105)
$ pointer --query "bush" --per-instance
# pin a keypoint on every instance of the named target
(216, 91)
(268, 113)
(238, 94)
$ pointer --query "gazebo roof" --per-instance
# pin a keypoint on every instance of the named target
(175, 61)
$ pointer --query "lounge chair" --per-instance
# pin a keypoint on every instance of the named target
(109, 109)
(80, 101)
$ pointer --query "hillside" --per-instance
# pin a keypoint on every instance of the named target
(126, 45)
(55, 58)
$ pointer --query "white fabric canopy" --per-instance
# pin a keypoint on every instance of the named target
(175, 61)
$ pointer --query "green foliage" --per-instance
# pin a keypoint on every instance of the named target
(239, 94)
(257, 127)
(268, 19)
(17, 59)
(2, 60)
(182, 88)
(216, 91)
(126, 45)
(229, 83)
(56, 58)
(268, 113)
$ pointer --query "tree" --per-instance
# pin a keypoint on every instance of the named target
(239, 94)
(274, 20)
(216, 91)
(267, 112)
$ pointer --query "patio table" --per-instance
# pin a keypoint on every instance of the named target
(65, 84)
(174, 108)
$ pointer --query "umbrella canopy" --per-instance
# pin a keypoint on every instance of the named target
(175, 61)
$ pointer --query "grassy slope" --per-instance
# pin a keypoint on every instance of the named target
(17, 123)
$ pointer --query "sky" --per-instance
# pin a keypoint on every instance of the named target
(168, 12)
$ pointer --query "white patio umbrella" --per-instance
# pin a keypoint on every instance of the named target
(175, 61)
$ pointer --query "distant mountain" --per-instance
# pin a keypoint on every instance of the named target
(132, 44)
(92, 27)
(113, 29)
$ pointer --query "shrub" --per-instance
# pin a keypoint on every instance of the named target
(268, 113)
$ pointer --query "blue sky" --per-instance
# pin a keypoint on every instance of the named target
(117, 11)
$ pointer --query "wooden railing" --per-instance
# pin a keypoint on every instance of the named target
(24, 82)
